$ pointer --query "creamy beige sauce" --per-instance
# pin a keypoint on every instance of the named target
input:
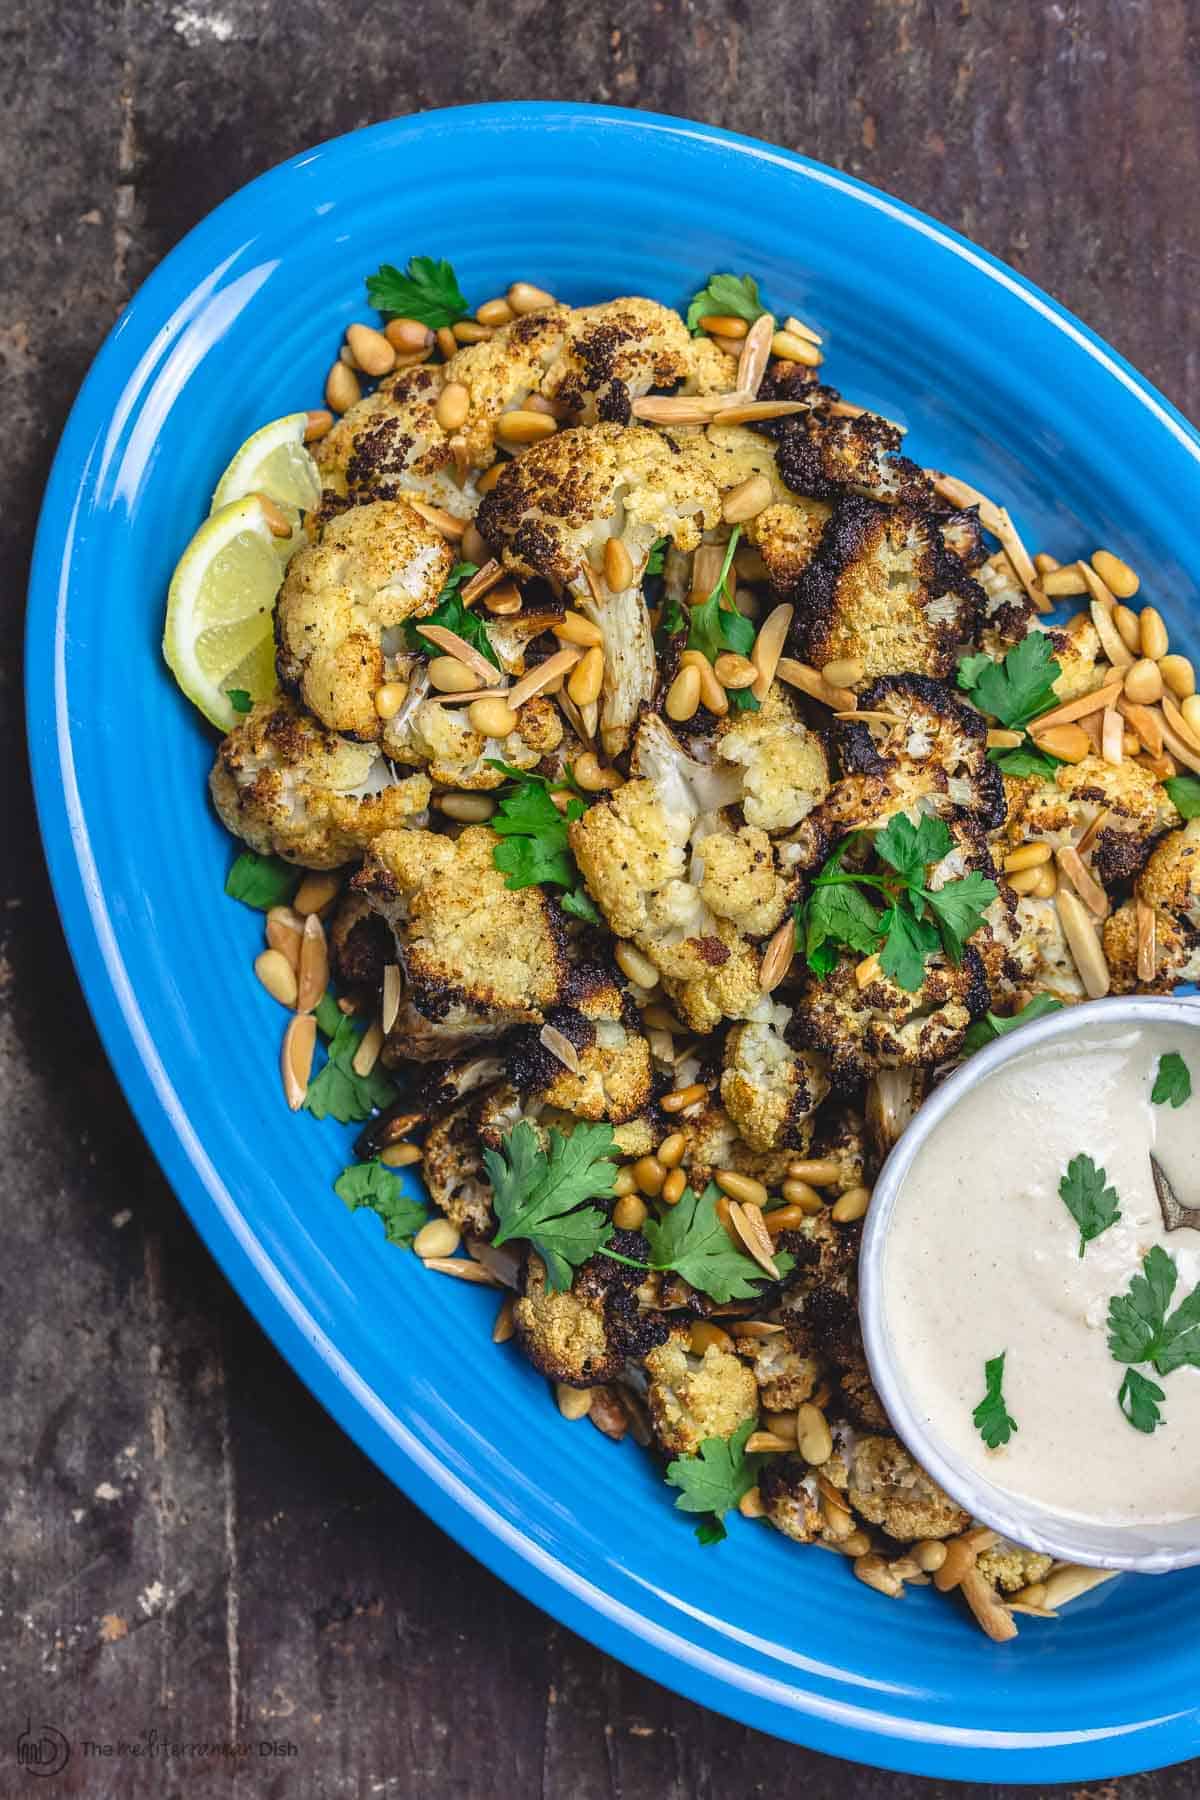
(982, 1256)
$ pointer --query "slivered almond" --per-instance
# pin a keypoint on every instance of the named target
(869, 716)
(1099, 589)
(1112, 736)
(768, 1443)
(961, 494)
(755, 354)
(367, 1054)
(462, 1268)
(313, 977)
(296, 1057)
(1178, 723)
(998, 521)
(755, 1328)
(747, 1222)
(487, 693)
(777, 957)
(745, 413)
(994, 1618)
(799, 329)
(706, 572)
(392, 988)
(1072, 865)
(683, 409)
(813, 683)
(1072, 710)
(846, 409)
(481, 581)
(561, 1047)
(1144, 722)
(1071, 1580)
(541, 677)
(1147, 940)
(768, 648)
(1181, 751)
(1093, 831)
(453, 645)
(438, 517)
(1112, 643)
(1084, 944)
(999, 739)
(595, 585)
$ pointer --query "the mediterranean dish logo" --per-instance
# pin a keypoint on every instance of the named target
(43, 1750)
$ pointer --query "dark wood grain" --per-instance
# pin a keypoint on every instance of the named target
(189, 1545)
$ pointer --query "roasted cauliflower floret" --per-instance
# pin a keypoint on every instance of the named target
(442, 740)
(785, 771)
(452, 1169)
(789, 1495)
(614, 1079)
(890, 1490)
(824, 456)
(390, 444)
(770, 1090)
(342, 602)
(288, 788)
(586, 1334)
(884, 589)
(614, 353)
(1137, 806)
(552, 512)
(696, 1397)
(731, 454)
(502, 373)
(505, 1106)
(882, 1025)
(477, 957)
(714, 1142)
(785, 1372)
(1080, 656)
(788, 535)
(1008, 613)
(711, 369)
(1170, 884)
(1011, 1567)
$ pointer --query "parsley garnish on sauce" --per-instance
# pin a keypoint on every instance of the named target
(1014, 691)
(426, 290)
(715, 1480)
(373, 1186)
(1140, 1331)
(262, 881)
(1091, 1204)
(725, 297)
(991, 1417)
(1173, 1083)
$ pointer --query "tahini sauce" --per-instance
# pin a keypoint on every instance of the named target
(982, 1256)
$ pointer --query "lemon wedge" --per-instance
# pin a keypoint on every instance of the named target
(275, 462)
(219, 635)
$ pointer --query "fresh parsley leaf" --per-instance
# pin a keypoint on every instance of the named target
(329, 1014)
(1018, 688)
(1137, 1320)
(1025, 760)
(1181, 1336)
(991, 1417)
(690, 1240)
(725, 296)
(672, 619)
(909, 848)
(451, 614)
(1091, 1204)
(427, 290)
(1138, 1398)
(716, 625)
(710, 1531)
(656, 560)
(239, 699)
(840, 913)
(1173, 1083)
(580, 906)
(991, 1026)
(535, 848)
(373, 1186)
(338, 1091)
(1185, 795)
(262, 881)
(910, 943)
(959, 907)
(538, 1194)
(715, 1480)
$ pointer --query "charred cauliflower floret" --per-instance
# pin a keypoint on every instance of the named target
(785, 771)
(288, 788)
(1137, 810)
(452, 1169)
(390, 444)
(1008, 613)
(892, 1491)
(442, 740)
(1080, 657)
(788, 535)
(500, 375)
(1011, 1567)
(343, 601)
(770, 1090)
(884, 589)
(614, 353)
(477, 957)
(553, 510)
(1170, 884)
(360, 946)
(586, 1334)
(786, 1373)
(614, 1078)
(824, 456)
(696, 1397)
(789, 1495)
(714, 1142)
(882, 1025)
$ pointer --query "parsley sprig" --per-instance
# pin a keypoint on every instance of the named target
(991, 1417)
(992, 1026)
(723, 297)
(451, 613)
(910, 921)
(536, 851)
(373, 1186)
(427, 290)
(1014, 691)
(1185, 795)
(338, 1091)
(1141, 1331)
(716, 625)
(715, 1480)
(1173, 1082)
(262, 881)
(691, 1241)
(1090, 1202)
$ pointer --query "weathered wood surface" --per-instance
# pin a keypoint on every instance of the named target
(187, 1541)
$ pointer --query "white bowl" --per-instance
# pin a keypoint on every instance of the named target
(1152, 1550)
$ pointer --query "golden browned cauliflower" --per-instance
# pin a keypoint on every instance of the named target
(1057, 812)
(1170, 884)
(477, 957)
(442, 740)
(882, 1025)
(390, 444)
(786, 1373)
(1080, 656)
(785, 770)
(892, 1491)
(587, 1333)
(770, 1090)
(714, 1142)
(615, 1077)
(288, 788)
(614, 353)
(729, 455)
(1011, 1567)
(696, 1397)
(789, 1493)
(500, 375)
(342, 603)
(788, 536)
(711, 369)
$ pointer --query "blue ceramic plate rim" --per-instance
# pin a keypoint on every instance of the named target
(647, 1638)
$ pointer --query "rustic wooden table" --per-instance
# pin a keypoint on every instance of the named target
(189, 1545)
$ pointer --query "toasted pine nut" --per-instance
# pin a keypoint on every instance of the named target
(587, 677)
(813, 1437)
(618, 565)
(573, 1403)
(1024, 881)
(768, 648)
(468, 809)
(367, 1054)
(822, 1171)
(1046, 885)
(1126, 622)
(469, 331)
(741, 1187)
(733, 671)
(867, 971)
(724, 324)
(1179, 675)
(767, 1443)
(1028, 856)
(277, 976)
(341, 388)
(438, 1238)
(670, 1152)
(573, 628)
(317, 423)
(523, 297)
(1112, 736)
(1144, 682)
(746, 500)
(999, 739)
(962, 1553)
(802, 1194)
(785, 1218)
(1064, 581)
(1068, 742)
(705, 1336)
(1115, 574)
(447, 343)
(284, 929)
(843, 672)
(929, 1554)
(712, 694)
(777, 957)
(347, 356)
(390, 698)
(371, 350)
(791, 348)
(751, 1504)
(1084, 944)
(296, 1058)
(408, 335)
(852, 1205)
(623, 1183)
(1153, 632)
(313, 976)
(449, 676)
(453, 405)
(683, 696)
(495, 313)
(630, 1212)
(874, 1571)
(673, 1186)
(400, 1156)
(679, 1099)
(492, 717)
(503, 600)
(505, 1326)
(810, 681)
(631, 961)
(523, 427)
(1043, 562)
(649, 1174)
(782, 1424)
